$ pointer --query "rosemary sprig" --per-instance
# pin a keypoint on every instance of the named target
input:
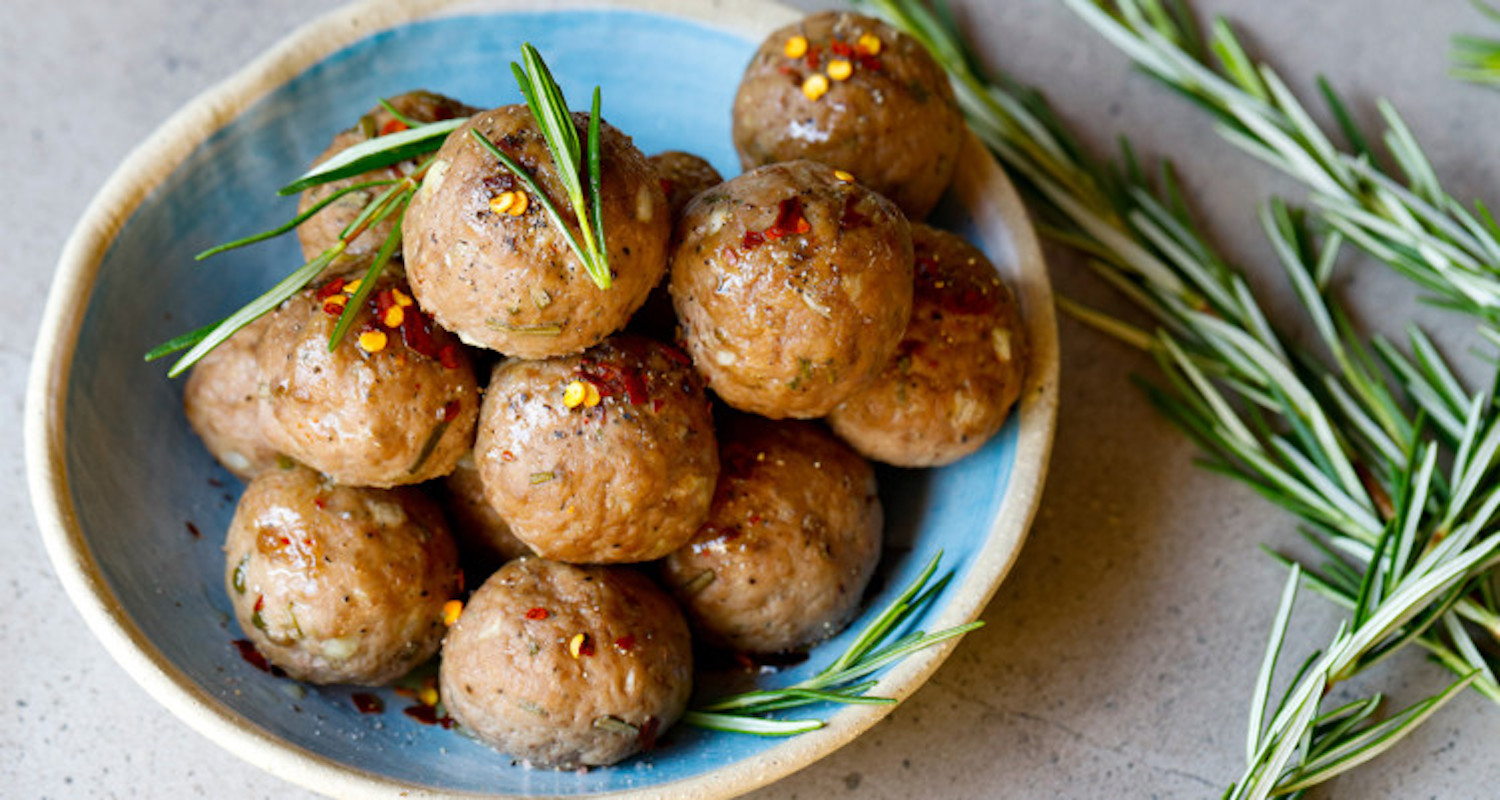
(550, 110)
(1332, 444)
(839, 682)
(545, 99)
(1475, 58)
(1410, 223)
(382, 151)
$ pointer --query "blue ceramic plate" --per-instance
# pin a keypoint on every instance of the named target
(120, 481)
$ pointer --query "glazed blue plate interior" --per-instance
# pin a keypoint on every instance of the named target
(154, 506)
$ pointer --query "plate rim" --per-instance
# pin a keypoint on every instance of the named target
(984, 190)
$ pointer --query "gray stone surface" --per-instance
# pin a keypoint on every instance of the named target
(1122, 648)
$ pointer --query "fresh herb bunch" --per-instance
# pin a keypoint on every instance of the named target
(1330, 442)
(548, 106)
(839, 682)
(1410, 223)
(1475, 58)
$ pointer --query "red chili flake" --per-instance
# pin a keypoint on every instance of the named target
(851, 217)
(676, 356)
(448, 356)
(646, 738)
(635, 388)
(333, 309)
(193, 529)
(260, 602)
(507, 456)
(869, 62)
(612, 380)
(790, 72)
(321, 501)
(427, 715)
(789, 219)
(537, 613)
(666, 186)
(460, 580)
(416, 331)
(656, 405)
(813, 54)
(331, 288)
(451, 409)
(586, 646)
(394, 126)
(754, 519)
(384, 301)
(841, 48)
(367, 703)
(752, 240)
(625, 643)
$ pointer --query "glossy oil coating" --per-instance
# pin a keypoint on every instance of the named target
(404, 413)
(620, 470)
(792, 287)
(792, 540)
(567, 666)
(510, 282)
(957, 371)
(893, 121)
(335, 584)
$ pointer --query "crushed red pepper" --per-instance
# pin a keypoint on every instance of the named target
(789, 221)
(537, 613)
(367, 703)
(393, 126)
(614, 380)
(625, 643)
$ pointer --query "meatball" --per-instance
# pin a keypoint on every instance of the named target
(486, 540)
(336, 584)
(957, 371)
(394, 403)
(222, 404)
(792, 287)
(607, 457)
(508, 281)
(850, 91)
(682, 175)
(322, 230)
(566, 666)
(791, 542)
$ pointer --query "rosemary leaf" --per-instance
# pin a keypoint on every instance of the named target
(382, 151)
(294, 222)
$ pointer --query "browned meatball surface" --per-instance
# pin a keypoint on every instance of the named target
(222, 406)
(392, 404)
(337, 584)
(322, 230)
(509, 281)
(792, 287)
(606, 457)
(957, 371)
(566, 666)
(682, 176)
(853, 92)
(791, 542)
(486, 540)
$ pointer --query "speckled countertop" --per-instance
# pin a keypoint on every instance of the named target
(1121, 649)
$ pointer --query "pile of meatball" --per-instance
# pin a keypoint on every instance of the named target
(617, 474)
